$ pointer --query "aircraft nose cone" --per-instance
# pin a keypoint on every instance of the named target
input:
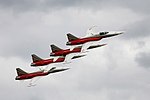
(113, 34)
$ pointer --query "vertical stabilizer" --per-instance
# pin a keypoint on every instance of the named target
(71, 37)
(20, 72)
(35, 58)
(54, 48)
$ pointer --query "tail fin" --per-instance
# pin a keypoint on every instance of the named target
(20, 72)
(54, 48)
(35, 58)
(71, 37)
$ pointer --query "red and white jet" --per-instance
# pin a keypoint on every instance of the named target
(37, 61)
(22, 75)
(89, 38)
(56, 51)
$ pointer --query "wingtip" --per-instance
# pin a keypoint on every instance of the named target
(66, 68)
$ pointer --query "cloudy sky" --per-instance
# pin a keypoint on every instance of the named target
(118, 71)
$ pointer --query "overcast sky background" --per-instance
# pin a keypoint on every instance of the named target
(117, 71)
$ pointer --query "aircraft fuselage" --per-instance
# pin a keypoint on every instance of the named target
(65, 52)
(83, 40)
(96, 37)
(31, 75)
(47, 61)
(39, 73)
(75, 50)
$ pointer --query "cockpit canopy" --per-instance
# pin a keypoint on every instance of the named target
(103, 33)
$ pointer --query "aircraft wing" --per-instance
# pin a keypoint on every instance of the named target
(55, 58)
(90, 32)
(42, 67)
(71, 56)
(85, 46)
(74, 46)
(35, 79)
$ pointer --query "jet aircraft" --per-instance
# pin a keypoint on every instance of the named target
(79, 45)
(37, 61)
(89, 38)
(56, 51)
(22, 75)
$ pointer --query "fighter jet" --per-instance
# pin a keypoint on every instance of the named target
(89, 38)
(37, 61)
(22, 75)
(56, 51)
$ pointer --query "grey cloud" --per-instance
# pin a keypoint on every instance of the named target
(26, 34)
(140, 44)
(138, 29)
(135, 5)
(143, 59)
(18, 4)
(89, 78)
(44, 5)
(119, 83)
(37, 5)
